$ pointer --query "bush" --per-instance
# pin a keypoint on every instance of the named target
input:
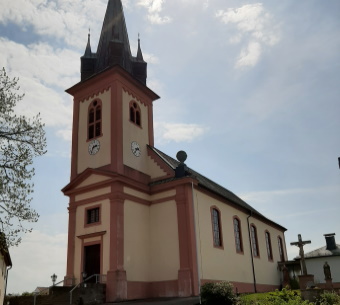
(284, 297)
(329, 298)
(221, 293)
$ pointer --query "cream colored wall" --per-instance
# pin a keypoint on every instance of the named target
(164, 243)
(272, 274)
(154, 170)
(151, 251)
(226, 263)
(131, 133)
(99, 192)
(136, 241)
(103, 157)
(92, 180)
(145, 196)
(215, 263)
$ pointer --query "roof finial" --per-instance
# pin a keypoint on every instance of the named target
(139, 51)
(88, 52)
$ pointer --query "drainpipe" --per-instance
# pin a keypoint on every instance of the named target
(8, 268)
(251, 251)
(198, 269)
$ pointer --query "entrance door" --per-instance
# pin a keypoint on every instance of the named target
(92, 261)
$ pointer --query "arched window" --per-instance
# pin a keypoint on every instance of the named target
(94, 120)
(238, 235)
(216, 225)
(269, 246)
(280, 244)
(254, 241)
(135, 115)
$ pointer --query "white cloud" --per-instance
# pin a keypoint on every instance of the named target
(176, 132)
(154, 8)
(45, 253)
(41, 71)
(250, 55)
(61, 19)
(255, 27)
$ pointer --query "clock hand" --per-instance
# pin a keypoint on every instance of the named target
(93, 147)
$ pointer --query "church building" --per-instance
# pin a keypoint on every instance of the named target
(145, 223)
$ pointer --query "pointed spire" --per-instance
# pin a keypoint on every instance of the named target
(114, 46)
(88, 52)
(139, 51)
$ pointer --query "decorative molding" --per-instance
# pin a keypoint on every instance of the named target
(93, 95)
(91, 235)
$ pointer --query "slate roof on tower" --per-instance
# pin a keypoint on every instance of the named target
(210, 185)
(113, 47)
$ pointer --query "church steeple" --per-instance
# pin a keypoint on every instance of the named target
(114, 47)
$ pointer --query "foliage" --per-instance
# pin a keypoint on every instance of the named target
(221, 293)
(26, 293)
(21, 139)
(284, 297)
(329, 298)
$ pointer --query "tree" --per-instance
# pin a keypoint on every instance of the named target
(21, 139)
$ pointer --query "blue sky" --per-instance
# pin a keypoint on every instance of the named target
(250, 90)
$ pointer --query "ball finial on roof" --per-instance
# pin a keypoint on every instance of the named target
(181, 156)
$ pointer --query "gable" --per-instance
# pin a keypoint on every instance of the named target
(92, 179)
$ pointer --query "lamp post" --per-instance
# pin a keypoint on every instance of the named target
(54, 278)
(84, 275)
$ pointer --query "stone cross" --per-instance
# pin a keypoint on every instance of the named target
(300, 244)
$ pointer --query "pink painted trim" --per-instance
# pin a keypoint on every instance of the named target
(91, 235)
(188, 274)
(165, 167)
(71, 243)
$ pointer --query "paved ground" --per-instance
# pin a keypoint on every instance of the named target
(164, 301)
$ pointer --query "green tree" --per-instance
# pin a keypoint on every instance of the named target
(21, 139)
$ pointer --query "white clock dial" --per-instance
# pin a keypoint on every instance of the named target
(94, 147)
(135, 149)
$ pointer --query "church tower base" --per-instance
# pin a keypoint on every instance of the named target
(116, 286)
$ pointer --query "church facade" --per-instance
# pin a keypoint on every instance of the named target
(146, 224)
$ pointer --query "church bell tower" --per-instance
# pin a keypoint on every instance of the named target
(112, 128)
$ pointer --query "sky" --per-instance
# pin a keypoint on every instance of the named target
(250, 90)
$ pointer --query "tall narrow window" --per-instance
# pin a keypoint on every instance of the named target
(269, 246)
(253, 233)
(94, 120)
(279, 241)
(215, 218)
(238, 236)
(135, 114)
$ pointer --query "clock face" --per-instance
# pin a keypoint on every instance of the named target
(135, 149)
(94, 146)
